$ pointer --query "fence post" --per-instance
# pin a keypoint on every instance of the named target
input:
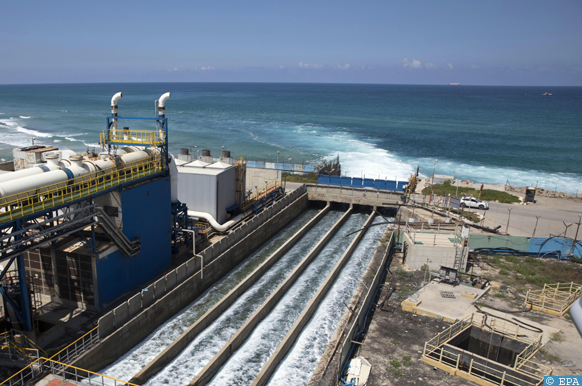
(441, 357)
(502, 379)
(471, 366)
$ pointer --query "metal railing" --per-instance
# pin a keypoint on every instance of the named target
(15, 345)
(78, 347)
(555, 299)
(44, 366)
(46, 197)
(436, 352)
(67, 354)
(256, 195)
(132, 137)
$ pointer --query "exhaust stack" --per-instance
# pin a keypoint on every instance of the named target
(162, 105)
(114, 100)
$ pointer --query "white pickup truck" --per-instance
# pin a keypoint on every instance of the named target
(472, 202)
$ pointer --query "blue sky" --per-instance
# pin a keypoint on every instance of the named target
(413, 42)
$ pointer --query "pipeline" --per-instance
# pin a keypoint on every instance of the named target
(208, 217)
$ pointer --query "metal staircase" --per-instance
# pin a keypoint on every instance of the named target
(128, 247)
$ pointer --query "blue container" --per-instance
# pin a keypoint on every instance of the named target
(368, 183)
(323, 179)
(379, 184)
(401, 185)
(391, 185)
(335, 180)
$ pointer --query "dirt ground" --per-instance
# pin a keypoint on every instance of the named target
(395, 339)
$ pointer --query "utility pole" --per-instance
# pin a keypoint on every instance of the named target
(508, 218)
(567, 226)
(535, 227)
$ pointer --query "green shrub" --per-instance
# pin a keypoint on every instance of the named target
(396, 372)
(406, 358)
(539, 279)
(575, 259)
(402, 272)
(503, 272)
(486, 194)
(512, 259)
(395, 363)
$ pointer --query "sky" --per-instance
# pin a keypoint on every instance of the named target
(396, 42)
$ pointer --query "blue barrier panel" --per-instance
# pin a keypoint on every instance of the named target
(346, 181)
(554, 247)
(356, 182)
(368, 183)
(323, 180)
(390, 185)
(401, 184)
(379, 184)
(334, 180)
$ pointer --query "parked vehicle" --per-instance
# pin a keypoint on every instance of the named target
(472, 202)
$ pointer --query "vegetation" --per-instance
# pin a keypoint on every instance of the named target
(519, 271)
(396, 372)
(486, 194)
(395, 363)
(303, 178)
(576, 259)
(550, 357)
(394, 341)
(402, 272)
(557, 337)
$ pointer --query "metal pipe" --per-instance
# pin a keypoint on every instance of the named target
(162, 105)
(208, 217)
(29, 172)
(114, 100)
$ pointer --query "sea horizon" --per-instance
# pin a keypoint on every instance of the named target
(489, 134)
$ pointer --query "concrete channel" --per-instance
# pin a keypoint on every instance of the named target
(289, 340)
(242, 334)
(176, 347)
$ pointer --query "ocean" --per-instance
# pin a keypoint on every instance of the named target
(486, 134)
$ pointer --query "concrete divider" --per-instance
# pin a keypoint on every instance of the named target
(121, 313)
(134, 305)
(283, 348)
(242, 334)
(122, 338)
(166, 356)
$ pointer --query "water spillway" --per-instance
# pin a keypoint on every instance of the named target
(307, 251)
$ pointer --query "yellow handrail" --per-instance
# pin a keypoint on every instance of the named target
(132, 137)
(69, 366)
(74, 342)
(257, 194)
(45, 197)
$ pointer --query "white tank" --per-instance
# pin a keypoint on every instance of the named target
(101, 164)
(135, 156)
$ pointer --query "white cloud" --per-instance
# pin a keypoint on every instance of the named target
(430, 66)
(414, 64)
(281, 67)
(475, 66)
(450, 65)
(310, 65)
(343, 66)
(207, 68)
(173, 69)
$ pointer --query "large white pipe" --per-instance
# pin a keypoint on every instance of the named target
(100, 164)
(208, 217)
(163, 99)
(28, 172)
(135, 156)
(25, 184)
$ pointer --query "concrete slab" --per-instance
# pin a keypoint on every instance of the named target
(160, 288)
(134, 305)
(429, 301)
(106, 325)
(121, 314)
(181, 273)
(147, 297)
(171, 280)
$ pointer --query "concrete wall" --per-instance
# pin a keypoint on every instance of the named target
(121, 331)
(417, 255)
(258, 176)
(353, 196)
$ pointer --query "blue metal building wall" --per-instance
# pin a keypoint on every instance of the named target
(146, 211)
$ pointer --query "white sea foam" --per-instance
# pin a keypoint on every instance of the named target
(25, 117)
(34, 133)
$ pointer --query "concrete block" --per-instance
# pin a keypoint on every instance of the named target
(221, 246)
(121, 315)
(171, 280)
(160, 288)
(106, 325)
(134, 305)
(191, 266)
(147, 297)
(230, 241)
(181, 273)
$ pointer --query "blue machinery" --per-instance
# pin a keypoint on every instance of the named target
(39, 217)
